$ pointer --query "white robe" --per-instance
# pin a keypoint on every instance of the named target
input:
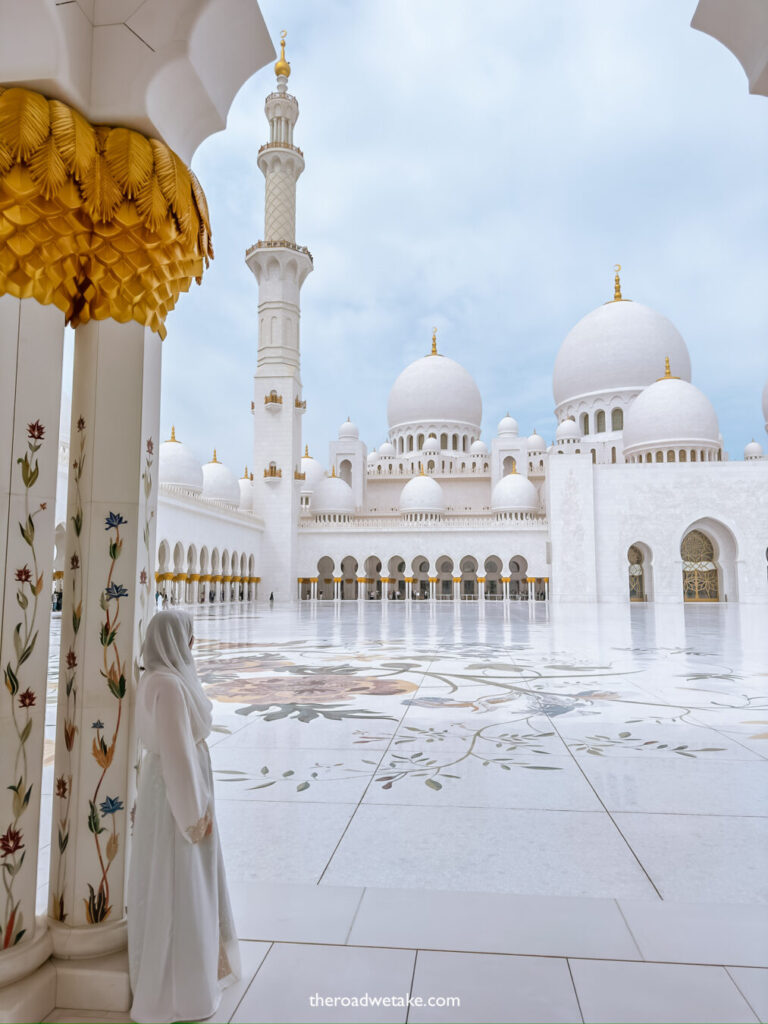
(181, 938)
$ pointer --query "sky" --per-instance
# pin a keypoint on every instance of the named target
(481, 166)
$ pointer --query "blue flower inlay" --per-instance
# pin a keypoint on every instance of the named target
(113, 520)
(110, 805)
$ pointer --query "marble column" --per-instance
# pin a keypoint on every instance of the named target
(362, 585)
(457, 588)
(481, 588)
(111, 519)
(31, 350)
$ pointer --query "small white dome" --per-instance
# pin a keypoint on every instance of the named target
(478, 447)
(387, 450)
(671, 411)
(179, 466)
(349, 429)
(536, 443)
(514, 493)
(247, 490)
(332, 495)
(312, 470)
(567, 431)
(754, 450)
(618, 345)
(434, 389)
(219, 482)
(508, 427)
(422, 494)
(372, 456)
(431, 445)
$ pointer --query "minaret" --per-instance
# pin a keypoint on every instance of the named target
(280, 267)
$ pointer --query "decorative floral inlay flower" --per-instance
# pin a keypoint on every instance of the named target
(143, 577)
(80, 425)
(74, 562)
(98, 724)
(36, 431)
(27, 699)
(61, 786)
(23, 575)
(71, 659)
(115, 591)
(70, 730)
(111, 805)
(10, 842)
(150, 446)
(114, 519)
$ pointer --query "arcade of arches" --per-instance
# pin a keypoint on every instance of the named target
(701, 572)
(190, 577)
(446, 579)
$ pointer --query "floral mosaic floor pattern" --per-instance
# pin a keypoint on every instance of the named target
(555, 750)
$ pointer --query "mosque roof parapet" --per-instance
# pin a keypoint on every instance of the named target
(394, 522)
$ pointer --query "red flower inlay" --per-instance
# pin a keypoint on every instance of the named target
(27, 699)
(61, 786)
(74, 562)
(43, 506)
(71, 659)
(150, 446)
(143, 576)
(36, 430)
(23, 575)
(11, 842)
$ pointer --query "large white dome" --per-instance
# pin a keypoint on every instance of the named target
(618, 345)
(179, 466)
(514, 493)
(312, 470)
(333, 496)
(434, 389)
(670, 412)
(219, 482)
(422, 494)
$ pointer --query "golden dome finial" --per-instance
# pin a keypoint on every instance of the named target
(245, 474)
(668, 375)
(283, 67)
(306, 451)
(434, 341)
(173, 435)
(617, 284)
(214, 459)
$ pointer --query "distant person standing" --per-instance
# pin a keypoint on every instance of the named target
(182, 945)
(271, 598)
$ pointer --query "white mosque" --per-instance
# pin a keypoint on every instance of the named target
(633, 500)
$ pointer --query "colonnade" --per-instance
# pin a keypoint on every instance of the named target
(206, 588)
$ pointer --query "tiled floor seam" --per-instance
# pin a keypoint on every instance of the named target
(410, 987)
(248, 986)
(602, 804)
(629, 928)
(575, 990)
(354, 918)
(743, 996)
(373, 776)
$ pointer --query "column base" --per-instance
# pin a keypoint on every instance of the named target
(98, 983)
(32, 998)
(87, 941)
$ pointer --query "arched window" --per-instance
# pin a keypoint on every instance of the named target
(431, 466)
(648, 457)
(613, 454)
(617, 419)
(410, 442)
(345, 471)
(683, 456)
(636, 574)
(600, 422)
(443, 442)
(464, 443)
(420, 442)
(509, 466)
(584, 424)
(670, 456)
(693, 456)
(700, 577)
(659, 456)
(455, 442)
(594, 456)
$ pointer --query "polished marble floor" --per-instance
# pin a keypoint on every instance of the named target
(609, 762)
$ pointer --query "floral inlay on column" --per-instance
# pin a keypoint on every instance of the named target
(30, 586)
(64, 781)
(97, 905)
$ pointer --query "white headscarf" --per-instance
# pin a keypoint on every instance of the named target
(166, 649)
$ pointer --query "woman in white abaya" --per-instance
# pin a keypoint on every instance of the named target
(182, 945)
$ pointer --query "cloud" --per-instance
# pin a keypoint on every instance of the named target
(481, 167)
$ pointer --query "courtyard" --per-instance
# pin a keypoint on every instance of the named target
(553, 812)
